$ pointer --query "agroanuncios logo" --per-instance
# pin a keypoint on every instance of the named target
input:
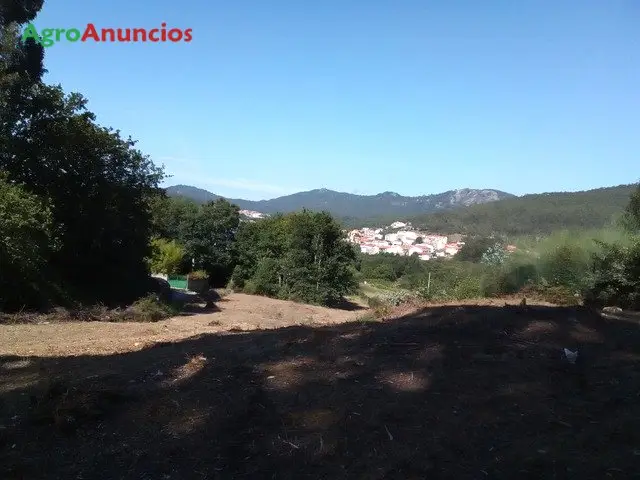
(49, 36)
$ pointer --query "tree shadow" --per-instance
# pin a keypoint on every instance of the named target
(447, 392)
(191, 309)
(347, 305)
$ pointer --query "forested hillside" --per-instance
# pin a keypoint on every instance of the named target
(530, 214)
(342, 204)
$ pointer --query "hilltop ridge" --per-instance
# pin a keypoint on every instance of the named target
(343, 204)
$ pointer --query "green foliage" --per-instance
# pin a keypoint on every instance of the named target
(25, 242)
(172, 217)
(208, 232)
(21, 62)
(300, 256)
(631, 217)
(148, 309)
(615, 278)
(265, 280)
(95, 184)
(554, 268)
(453, 280)
(209, 238)
(386, 266)
(495, 255)
(474, 248)
(539, 214)
(98, 186)
(566, 265)
(167, 256)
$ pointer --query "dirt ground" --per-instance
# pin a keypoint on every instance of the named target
(444, 392)
(233, 312)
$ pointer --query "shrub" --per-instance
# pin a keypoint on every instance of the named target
(166, 256)
(556, 294)
(198, 275)
(494, 255)
(566, 265)
(512, 278)
(148, 309)
(615, 278)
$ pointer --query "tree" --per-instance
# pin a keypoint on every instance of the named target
(167, 256)
(21, 63)
(474, 248)
(209, 239)
(25, 236)
(98, 185)
(172, 216)
(631, 219)
(300, 256)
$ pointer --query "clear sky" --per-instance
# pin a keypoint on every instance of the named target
(364, 96)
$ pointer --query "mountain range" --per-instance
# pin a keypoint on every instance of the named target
(343, 204)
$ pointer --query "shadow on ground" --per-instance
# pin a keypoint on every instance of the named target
(450, 392)
(348, 305)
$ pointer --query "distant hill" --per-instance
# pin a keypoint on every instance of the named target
(194, 193)
(532, 214)
(343, 204)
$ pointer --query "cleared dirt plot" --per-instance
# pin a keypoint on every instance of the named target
(456, 391)
(233, 312)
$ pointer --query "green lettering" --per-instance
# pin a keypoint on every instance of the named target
(31, 32)
(46, 39)
(59, 31)
(73, 35)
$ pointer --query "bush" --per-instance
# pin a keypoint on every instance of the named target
(166, 256)
(512, 278)
(379, 307)
(615, 278)
(265, 279)
(454, 280)
(556, 294)
(566, 265)
(198, 275)
(148, 309)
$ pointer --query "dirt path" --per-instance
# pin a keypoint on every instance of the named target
(236, 312)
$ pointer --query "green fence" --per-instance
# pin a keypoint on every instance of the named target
(178, 281)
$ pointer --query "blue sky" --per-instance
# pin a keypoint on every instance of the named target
(412, 96)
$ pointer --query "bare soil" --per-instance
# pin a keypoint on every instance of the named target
(233, 312)
(450, 391)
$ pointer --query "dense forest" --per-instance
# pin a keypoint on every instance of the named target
(530, 214)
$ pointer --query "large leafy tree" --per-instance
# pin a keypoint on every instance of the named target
(172, 216)
(209, 238)
(21, 63)
(301, 256)
(97, 183)
(25, 241)
(631, 217)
